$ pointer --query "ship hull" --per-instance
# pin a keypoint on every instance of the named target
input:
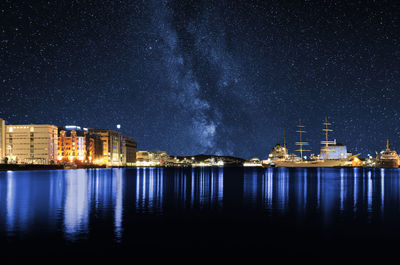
(388, 163)
(324, 163)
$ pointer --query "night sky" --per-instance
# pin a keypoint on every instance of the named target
(215, 77)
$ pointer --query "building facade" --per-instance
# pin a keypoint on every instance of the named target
(151, 158)
(72, 145)
(2, 141)
(112, 147)
(31, 144)
(142, 157)
(129, 147)
(77, 145)
(94, 149)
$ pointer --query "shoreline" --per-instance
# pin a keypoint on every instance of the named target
(30, 167)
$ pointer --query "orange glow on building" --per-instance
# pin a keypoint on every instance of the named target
(71, 147)
(356, 162)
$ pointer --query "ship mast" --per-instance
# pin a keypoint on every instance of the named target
(327, 142)
(284, 139)
(387, 144)
(301, 143)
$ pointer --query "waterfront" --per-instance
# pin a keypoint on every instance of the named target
(199, 214)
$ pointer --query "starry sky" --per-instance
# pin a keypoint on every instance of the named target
(214, 77)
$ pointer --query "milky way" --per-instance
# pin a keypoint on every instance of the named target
(220, 77)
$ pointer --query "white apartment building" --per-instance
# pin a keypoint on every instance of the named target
(2, 140)
(31, 144)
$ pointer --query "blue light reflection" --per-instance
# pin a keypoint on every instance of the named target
(71, 201)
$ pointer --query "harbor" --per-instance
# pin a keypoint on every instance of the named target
(200, 132)
(332, 154)
(77, 147)
(194, 210)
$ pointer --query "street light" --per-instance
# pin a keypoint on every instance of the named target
(119, 144)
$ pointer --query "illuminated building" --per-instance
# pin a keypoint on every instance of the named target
(32, 144)
(112, 147)
(143, 158)
(72, 144)
(151, 158)
(209, 162)
(129, 147)
(159, 156)
(76, 144)
(94, 149)
(2, 140)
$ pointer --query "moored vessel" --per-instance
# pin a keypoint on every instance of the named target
(387, 158)
(332, 154)
(253, 162)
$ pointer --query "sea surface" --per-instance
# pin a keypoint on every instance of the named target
(200, 216)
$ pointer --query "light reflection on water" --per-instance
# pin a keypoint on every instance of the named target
(149, 190)
(326, 192)
(118, 184)
(207, 188)
(72, 201)
(76, 205)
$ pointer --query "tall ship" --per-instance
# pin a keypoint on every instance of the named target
(387, 158)
(332, 154)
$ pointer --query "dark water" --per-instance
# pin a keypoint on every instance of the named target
(203, 215)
